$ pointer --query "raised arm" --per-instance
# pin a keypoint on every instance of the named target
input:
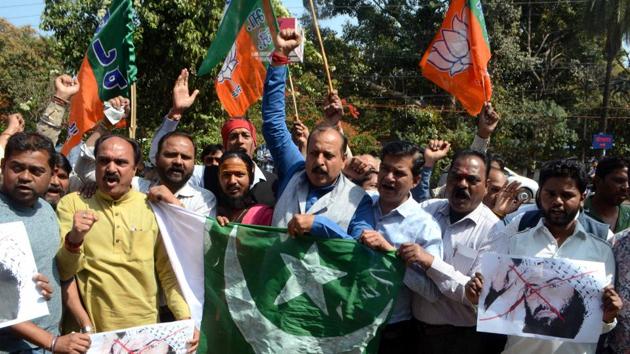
(286, 156)
(49, 124)
(182, 100)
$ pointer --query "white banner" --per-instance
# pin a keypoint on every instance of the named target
(183, 233)
(19, 298)
(163, 338)
(549, 298)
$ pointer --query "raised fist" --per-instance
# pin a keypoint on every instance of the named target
(66, 87)
(287, 40)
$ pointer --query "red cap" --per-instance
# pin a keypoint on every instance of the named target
(236, 123)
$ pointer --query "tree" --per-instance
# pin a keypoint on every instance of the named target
(27, 63)
(610, 19)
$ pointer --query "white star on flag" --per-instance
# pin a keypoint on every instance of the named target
(307, 276)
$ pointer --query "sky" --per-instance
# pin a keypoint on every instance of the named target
(28, 12)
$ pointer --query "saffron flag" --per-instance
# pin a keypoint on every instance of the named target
(107, 70)
(266, 292)
(244, 40)
(457, 59)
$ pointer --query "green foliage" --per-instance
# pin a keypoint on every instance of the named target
(546, 71)
(27, 65)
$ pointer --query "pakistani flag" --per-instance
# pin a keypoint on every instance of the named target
(268, 293)
(256, 290)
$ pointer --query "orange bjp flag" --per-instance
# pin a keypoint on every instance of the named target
(457, 59)
(242, 77)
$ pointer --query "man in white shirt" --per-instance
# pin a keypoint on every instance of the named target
(447, 325)
(237, 134)
(175, 159)
(558, 235)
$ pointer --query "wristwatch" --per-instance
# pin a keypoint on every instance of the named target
(87, 329)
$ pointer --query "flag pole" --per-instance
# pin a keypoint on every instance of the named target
(132, 123)
(321, 46)
(295, 107)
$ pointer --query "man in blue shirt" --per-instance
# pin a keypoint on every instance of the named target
(401, 224)
(26, 171)
(313, 195)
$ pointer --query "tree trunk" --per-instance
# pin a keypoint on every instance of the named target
(603, 124)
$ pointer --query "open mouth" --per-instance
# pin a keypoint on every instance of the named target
(111, 181)
(461, 195)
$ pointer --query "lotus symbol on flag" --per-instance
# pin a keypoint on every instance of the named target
(229, 65)
(452, 53)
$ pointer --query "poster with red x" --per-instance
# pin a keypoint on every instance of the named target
(548, 298)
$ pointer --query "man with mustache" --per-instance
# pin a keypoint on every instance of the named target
(174, 163)
(558, 234)
(447, 325)
(26, 170)
(313, 195)
(111, 243)
(611, 189)
(59, 181)
(237, 133)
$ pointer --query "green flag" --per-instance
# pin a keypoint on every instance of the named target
(234, 16)
(268, 293)
(107, 71)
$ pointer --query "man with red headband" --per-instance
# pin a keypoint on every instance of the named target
(313, 195)
(237, 133)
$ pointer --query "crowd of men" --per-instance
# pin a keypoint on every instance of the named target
(103, 265)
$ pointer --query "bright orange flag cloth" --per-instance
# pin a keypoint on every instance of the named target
(457, 59)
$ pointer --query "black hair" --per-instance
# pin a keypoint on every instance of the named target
(137, 153)
(211, 149)
(174, 134)
(610, 164)
(401, 148)
(570, 168)
(467, 153)
(320, 128)
(238, 154)
(22, 142)
(498, 159)
(62, 162)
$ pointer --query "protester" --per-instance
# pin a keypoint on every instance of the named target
(59, 181)
(313, 194)
(236, 204)
(448, 324)
(501, 197)
(402, 225)
(437, 149)
(211, 154)
(620, 336)
(119, 283)
(26, 169)
(15, 124)
(611, 189)
(557, 235)
(174, 164)
(237, 134)
(51, 121)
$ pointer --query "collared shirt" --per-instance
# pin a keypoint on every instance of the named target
(120, 261)
(409, 223)
(623, 215)
(462, 243)
(195, 199)
(539, 242)
(288, 159)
